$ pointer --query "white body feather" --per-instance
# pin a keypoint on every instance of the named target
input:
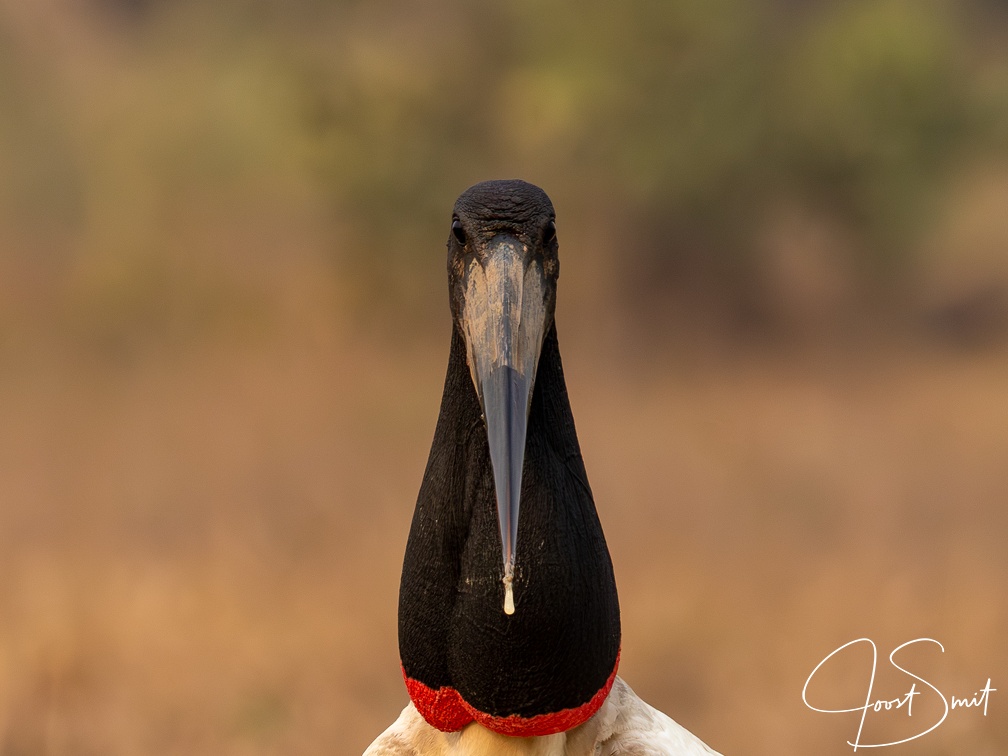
(624, 726)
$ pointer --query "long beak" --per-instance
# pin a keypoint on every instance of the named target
(504, 318)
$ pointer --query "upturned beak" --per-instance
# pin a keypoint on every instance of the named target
(504, 318)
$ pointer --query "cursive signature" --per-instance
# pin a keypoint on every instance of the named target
(978, 699)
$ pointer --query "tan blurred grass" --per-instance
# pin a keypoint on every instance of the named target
(201, 550)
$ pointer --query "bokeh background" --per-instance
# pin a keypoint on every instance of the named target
(224, 326)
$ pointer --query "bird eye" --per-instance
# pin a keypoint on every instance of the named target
(549, 233)
(458, 232)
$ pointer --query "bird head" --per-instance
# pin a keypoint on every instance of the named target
(502, 270)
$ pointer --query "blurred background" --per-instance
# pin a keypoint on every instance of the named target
(224, 329)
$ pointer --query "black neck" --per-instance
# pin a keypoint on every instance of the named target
(560, 646)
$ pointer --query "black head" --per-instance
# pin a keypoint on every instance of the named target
(511, 209)
(511, 621)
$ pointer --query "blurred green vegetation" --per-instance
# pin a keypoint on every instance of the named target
(162, 163)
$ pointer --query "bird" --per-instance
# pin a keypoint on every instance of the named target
(509, 622)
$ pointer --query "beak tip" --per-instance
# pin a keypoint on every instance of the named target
(509, 607)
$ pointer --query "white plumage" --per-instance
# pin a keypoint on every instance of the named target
(624, 726)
